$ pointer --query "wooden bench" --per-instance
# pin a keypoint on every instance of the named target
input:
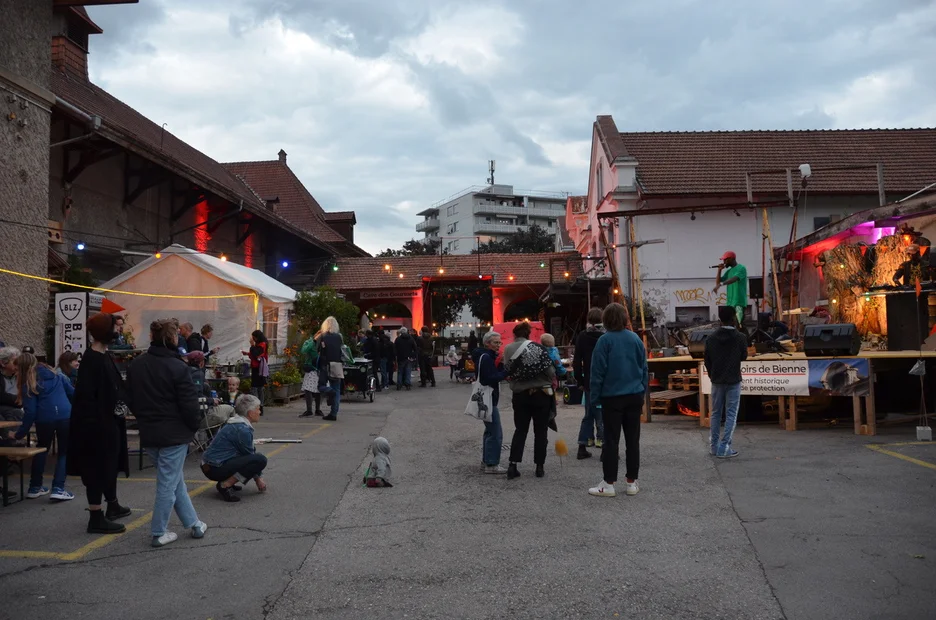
(15, 455)
(661, 402)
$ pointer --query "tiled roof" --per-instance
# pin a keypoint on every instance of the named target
(565, 241)
(610, 138)
(340, 215)
(716, 162)
(274, 179)
(127, 127)
(369, 273)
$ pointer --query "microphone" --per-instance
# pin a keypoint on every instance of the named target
(716, 266)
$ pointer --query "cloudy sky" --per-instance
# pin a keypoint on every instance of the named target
(386, 106)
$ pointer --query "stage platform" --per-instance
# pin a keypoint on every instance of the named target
(795, 374)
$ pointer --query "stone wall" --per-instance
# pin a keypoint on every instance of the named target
(24, 168)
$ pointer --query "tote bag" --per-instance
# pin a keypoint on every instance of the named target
(480, 405)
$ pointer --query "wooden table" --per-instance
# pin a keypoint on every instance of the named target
(19, 455)
(10, 424)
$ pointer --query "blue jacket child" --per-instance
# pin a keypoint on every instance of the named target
(49, 408)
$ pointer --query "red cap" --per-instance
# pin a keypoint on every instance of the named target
(728, 255)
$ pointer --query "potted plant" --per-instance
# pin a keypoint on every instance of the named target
(279, 382)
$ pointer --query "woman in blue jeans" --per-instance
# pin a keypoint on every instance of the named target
(46, 400)
(165, 402)
(232, 457)
(491, 375)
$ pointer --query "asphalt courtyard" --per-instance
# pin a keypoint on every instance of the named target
(811, 524)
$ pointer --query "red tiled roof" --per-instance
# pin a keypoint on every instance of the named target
(340, 216)
(274, 179)
(356, 274)
(130, 129)
(610, 138)
(715, 162)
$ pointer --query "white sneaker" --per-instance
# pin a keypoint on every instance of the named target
(632, 488)
(494, 469)
(165, 539)
(199, 529)
(602, 490)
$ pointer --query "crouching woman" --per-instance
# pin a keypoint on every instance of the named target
(231, 457)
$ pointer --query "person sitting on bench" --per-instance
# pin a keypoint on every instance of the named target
(231, 457)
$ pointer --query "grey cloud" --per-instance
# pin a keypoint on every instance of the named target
(680, 65)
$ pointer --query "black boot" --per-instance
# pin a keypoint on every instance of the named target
(583, 453)
(227, 493)
(512, 471)
(98, 524)
(539, 471)
(116, 511)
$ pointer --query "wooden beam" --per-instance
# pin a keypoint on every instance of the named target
(88, 159)
(148, 179)
(192, 198)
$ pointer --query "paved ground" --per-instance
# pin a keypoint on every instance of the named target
(812, 524)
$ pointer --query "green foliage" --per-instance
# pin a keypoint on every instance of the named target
(313, 307)
(414, 247)
(534, 240)
(288, 375)
(448, 300)
(76, 274)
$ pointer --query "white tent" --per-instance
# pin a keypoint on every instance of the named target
(246, 299)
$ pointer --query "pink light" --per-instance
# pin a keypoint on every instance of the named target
(877, 233)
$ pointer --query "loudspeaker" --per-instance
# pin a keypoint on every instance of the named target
(831, 340)
(756, 288)
(697, 342)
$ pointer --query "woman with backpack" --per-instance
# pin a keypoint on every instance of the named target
(46, 400)
(310, 381)
(530, 372)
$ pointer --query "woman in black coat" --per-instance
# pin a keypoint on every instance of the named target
(98, 440)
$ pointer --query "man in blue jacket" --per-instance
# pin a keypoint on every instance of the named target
(232, 457)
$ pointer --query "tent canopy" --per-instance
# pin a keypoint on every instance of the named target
(230, 272)
(235, 300)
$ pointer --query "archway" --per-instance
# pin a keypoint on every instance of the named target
(527, 308)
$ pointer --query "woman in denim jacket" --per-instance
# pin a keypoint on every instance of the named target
(231, 457)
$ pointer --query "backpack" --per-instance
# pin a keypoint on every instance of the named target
(531, 362)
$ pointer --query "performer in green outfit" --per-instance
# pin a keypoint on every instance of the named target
(735, 278)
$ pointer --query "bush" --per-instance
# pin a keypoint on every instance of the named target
(286, 376)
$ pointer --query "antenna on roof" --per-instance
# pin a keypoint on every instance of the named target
(491, 169)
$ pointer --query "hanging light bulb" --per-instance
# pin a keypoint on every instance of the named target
(510, 277)
(441, 270)
(158, 254)
(224, 258)
(335, 267)
(386, 267)
(285, 264)
(400, 276)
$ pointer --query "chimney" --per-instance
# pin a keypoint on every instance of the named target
(282, 156)
(69, 57)
(73, 27)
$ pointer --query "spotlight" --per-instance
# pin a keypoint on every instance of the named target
(80, 247)
(285, 264)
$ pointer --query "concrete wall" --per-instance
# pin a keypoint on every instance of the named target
(24, 168)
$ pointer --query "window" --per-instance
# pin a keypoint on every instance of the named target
(270, 327)
(819, 222)
(453, 227)
(453, 246)
(452, 210)
(599, 184)
(552, 223)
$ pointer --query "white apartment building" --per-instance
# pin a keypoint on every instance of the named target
(489, 213)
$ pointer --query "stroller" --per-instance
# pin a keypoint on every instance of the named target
(467, 372)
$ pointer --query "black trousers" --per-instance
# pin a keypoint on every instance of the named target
(100, 483)
(621, 413)
(426, 373)
(530, 407)
(246, 467)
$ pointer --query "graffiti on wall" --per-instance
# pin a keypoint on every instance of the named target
(700, 296)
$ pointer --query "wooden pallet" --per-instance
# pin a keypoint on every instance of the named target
(662, 402)
(683, 382)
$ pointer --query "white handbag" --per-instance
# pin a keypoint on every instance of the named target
(481, 405)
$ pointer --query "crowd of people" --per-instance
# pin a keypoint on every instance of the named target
(81, 406)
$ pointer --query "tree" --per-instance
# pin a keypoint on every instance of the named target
(414, 247)
(313, 307)
(534, 240)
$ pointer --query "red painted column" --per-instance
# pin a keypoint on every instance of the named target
(501, 299)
